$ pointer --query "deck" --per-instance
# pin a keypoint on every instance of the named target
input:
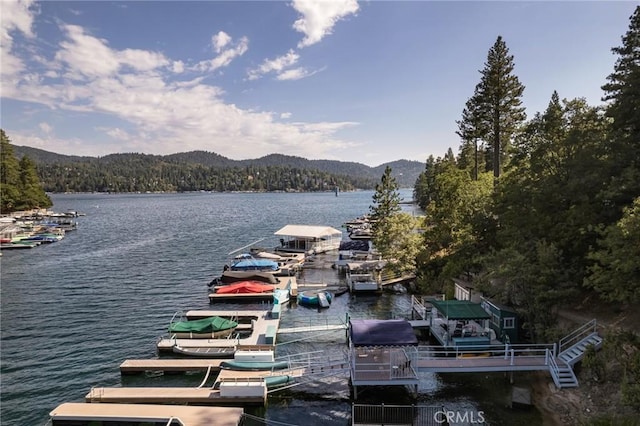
(187, 416)
(167, 395)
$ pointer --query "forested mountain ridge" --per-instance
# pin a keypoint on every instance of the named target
(207, 171)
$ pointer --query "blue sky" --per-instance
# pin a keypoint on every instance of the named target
(370, 82)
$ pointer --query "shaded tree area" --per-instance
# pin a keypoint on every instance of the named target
(20, 187)
(562, 219)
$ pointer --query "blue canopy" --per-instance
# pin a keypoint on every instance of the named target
(382, 333)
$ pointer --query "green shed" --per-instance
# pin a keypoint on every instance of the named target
(504, 320)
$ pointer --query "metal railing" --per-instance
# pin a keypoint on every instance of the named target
(417, 415)
(577, 335)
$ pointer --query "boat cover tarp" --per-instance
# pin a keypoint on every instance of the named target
(249, 263)
(235, 276)
(372, 332)
(460, 309)
(245, 287)
(205, 325)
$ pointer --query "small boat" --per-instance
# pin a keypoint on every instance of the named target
(246, 262)
(205, 352)
(245, 287)
(254, 365)
(229, 277)
(319, 298)
(206, 328)
(273, 381)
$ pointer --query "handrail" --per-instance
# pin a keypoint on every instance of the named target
(554, 370)
(577, 334)
(172, 419)
(206, 376)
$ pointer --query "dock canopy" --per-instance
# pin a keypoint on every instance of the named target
(460, 309)
(382, 333)
(309, 238)
(309, 231)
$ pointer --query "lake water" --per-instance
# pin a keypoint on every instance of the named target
(72, 311)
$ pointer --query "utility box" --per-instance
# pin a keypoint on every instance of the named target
(256, 389)
(254, 356)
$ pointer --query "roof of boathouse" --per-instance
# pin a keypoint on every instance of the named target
(307, 231)
(372, 332)
(460, 309)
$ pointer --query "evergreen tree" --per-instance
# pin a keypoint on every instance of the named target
(494, 113)
(386, 204)
(623, 93)
(20, 188)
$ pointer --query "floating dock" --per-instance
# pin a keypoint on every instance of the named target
(177, 395)
(145, 414)
(264, 328)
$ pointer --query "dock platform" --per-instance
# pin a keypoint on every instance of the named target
(134, 366)
(168, 395)
(145, 414)
(261, 321)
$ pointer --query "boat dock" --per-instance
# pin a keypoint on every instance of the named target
(175, 395)
(78, 413)
(289, 282)
(263, 333)
(134, 366)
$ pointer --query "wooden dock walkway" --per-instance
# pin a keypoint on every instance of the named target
(168, 395)
(133, 366)
(146, 414)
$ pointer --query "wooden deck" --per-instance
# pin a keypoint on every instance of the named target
(167, 395)
(188, 416)
(133, 366)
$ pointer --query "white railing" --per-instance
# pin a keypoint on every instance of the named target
(577, 335)
(506, 351)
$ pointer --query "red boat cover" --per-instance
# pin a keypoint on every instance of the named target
(245, 287)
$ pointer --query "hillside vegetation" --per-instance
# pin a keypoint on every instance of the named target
(206, 171)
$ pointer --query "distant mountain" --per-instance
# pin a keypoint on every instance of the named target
(406, 172)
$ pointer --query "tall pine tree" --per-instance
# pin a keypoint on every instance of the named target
(623, 93)
(495, 112)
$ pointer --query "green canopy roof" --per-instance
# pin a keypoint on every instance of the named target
(460, 309)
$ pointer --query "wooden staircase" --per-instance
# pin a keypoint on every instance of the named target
(571, 349)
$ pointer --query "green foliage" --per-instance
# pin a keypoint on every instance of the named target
(494, 112)
(386, 228)
(615, 273)
(20, 187)
(623, 93)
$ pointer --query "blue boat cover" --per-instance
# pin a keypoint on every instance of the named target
(382, 333)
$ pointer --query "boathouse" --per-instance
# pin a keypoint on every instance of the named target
(460, 323)
(381, 354)
(504, 320)
(308, 239)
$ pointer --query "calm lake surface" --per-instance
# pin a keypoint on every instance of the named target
(72, 311)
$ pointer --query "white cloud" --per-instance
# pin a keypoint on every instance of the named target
(46, 128)
(225, 56)
(17, 15)
(319, 17)
(220, 40)
(278, 65)
(137, 90)
(295, 74)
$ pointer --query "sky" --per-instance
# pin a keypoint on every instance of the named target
(370, 81)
